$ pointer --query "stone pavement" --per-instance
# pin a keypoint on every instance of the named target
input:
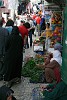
(23, 90)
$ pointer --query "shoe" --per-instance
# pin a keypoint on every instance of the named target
(12, 82)
(18, 80)
(8, 84)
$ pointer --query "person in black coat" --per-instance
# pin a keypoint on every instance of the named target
(13, 56)
(3, 36)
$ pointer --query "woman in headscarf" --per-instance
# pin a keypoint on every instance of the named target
(9, 25)
(13, 56)
(58, 46)
(52, 69)
(6, 93)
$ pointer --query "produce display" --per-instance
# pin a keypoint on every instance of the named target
(56, 24)
(38, 77)
(31, 70)
(56, 36)
(39, 44)
(39, 59)
(56, 20)
(34, 67)
(41, 39)
(27, 69)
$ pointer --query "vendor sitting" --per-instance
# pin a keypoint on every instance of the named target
(52, 66)
(58, 46)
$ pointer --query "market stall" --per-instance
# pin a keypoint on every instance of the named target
(39, 45)
(57, 27)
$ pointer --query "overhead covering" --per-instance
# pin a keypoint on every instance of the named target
(24, 1)
(60, 3)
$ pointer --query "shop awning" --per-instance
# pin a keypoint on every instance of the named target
(60, 3)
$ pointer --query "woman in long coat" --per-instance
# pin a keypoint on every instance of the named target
(13, 56)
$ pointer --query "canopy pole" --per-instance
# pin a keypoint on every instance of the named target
(64, 54)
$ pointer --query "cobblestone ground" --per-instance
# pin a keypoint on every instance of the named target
(23, 90)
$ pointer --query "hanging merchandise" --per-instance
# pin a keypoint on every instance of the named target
(56, 25)
(56, 36)
(56, 19)
(47, 16)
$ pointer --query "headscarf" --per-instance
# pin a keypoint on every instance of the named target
(58, 46)
(5, 92)
(57, 57)
(15, 30)
(10, 22)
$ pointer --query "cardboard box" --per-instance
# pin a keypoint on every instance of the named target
(38, 47)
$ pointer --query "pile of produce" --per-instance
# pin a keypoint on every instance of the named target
(38, 77)
(27, 69)
(31, 70)
(39, 59)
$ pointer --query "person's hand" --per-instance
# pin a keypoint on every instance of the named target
(43, 86)
(9, 98)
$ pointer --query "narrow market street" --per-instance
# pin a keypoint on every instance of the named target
(33, 50)
(23, 90)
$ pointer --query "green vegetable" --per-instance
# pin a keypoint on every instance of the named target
(31, 70)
